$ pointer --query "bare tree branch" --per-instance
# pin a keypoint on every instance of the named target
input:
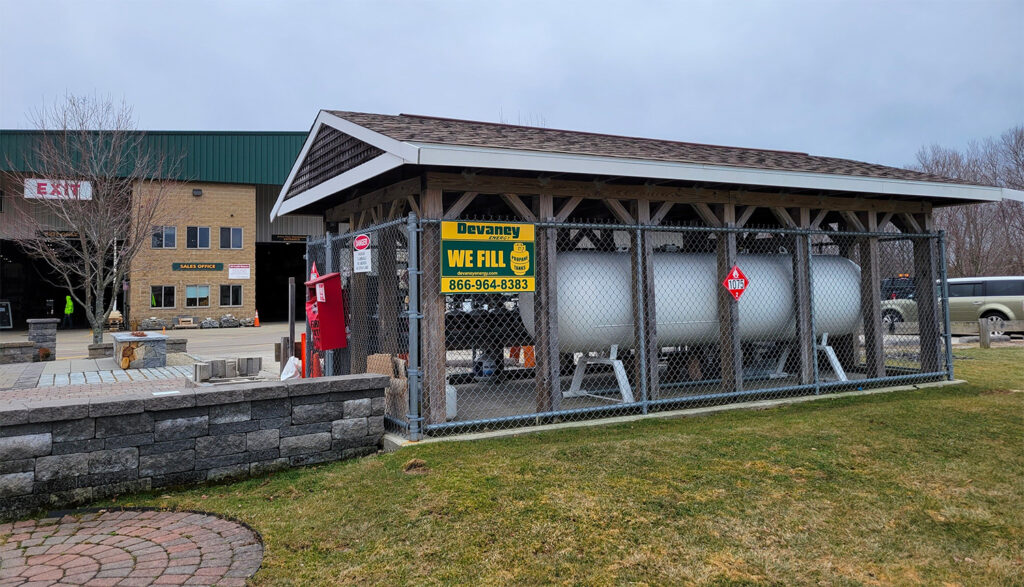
(983, 239)
(94, 140)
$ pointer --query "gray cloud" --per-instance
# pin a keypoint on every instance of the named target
(866, 80)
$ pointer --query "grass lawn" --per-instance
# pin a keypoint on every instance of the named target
(910, 487)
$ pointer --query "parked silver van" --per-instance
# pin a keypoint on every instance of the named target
(1000, 299)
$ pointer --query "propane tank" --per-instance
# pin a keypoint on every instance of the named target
(595, 298)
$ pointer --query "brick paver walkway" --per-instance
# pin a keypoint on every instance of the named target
(128, 548)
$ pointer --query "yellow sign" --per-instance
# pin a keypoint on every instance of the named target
(486, 257)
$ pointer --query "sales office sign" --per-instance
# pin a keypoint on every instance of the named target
(57, 189)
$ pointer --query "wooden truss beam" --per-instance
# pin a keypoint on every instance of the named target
(679, 195)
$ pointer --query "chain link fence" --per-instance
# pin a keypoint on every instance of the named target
(630, 319)
(376, 301)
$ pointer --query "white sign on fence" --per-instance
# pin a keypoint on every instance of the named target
(238, 271)
(362, 260)
(57, 189)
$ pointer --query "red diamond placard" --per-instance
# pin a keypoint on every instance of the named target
(736, 282)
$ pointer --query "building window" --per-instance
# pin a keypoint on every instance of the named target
(197, 296)
(231, 295)
(197, 237)
(161, 296)
(164, 237)
(230, 238)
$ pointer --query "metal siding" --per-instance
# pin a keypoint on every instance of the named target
(266, 195)
(222, 157)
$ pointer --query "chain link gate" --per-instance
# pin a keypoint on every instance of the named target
(376, 308)
(630, 319)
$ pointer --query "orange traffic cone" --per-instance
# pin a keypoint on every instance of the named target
(256, 323)
(163, 330)
(317, 369)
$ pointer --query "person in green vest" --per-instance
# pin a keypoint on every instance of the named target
(69, 309)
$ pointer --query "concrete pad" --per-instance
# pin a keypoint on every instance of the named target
(92, 377)
(83, 365)
(106, 364)
(54, 367)
(107, 377)
(62, 379)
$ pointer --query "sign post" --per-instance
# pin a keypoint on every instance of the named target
(487, 257)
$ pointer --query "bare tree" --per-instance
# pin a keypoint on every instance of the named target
(91, 145)
(984, 239)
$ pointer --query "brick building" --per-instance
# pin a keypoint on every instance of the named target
(221, 255)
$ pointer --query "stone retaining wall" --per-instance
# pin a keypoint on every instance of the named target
(64, 452)
(17, 352)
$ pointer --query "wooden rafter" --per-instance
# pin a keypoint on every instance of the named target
(519, 207)
(460, 205)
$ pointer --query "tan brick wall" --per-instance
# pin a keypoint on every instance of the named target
(220, 205)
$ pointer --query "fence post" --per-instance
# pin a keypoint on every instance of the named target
(728, 311)
(810, 315)
(945, 305)
(329, 267)
(926, 274)
(871, 299)
(547, 368)
(640, 319)
(801, 258)
(413, 367)
(433, 357)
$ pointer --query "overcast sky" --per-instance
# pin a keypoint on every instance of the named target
(866, 80)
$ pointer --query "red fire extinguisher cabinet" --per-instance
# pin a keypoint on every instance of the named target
(325, 312)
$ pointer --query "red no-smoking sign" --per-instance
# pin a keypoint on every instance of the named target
(736, 282)
(361, 242)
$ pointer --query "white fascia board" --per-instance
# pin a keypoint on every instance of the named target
(313, 131)
(405, 151)
(398, 148)
(459, 156)
(1009, 194)
(358, 174)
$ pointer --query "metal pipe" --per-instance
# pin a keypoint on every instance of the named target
(291, 321)
(413, 368)
(668, 401)
(944, 279)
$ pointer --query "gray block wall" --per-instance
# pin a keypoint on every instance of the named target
(60, 453)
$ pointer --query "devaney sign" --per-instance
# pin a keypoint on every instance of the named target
(57, 189)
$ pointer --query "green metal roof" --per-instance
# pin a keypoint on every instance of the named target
(214, 156)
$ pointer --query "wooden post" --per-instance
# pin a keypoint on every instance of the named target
(643, 273)
(926, 275)
(871, 298)
(432, 304)
(802, 300)
(387, 289)
(728, 312)
(984, 333)
(548, 370)
(847, 346)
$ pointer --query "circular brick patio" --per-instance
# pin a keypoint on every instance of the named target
(128, 548)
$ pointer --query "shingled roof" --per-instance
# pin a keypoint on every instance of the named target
(447, 131)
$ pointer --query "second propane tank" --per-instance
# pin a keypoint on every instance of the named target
(595, 298)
